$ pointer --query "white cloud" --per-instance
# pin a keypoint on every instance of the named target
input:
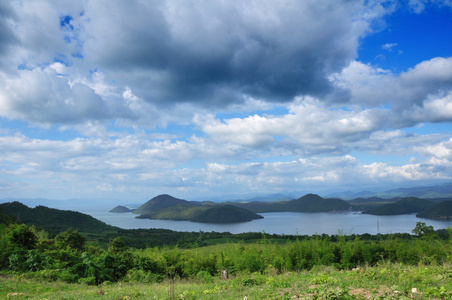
(388, 46)
(299, 127)
(211, 53)
(417, 6)
(415, 96)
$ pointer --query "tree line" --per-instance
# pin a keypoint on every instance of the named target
(70, 257)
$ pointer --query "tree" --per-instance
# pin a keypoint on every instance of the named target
(21, 236)
(72, 239)
(117, 246)
(422, 229)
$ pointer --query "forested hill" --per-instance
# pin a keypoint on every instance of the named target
(218, 214)
(166, 207)
(54, 220)
(407, 205)
(441, 211)
(162, 201)
(308, 203)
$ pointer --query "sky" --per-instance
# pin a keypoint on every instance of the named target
(126, 100)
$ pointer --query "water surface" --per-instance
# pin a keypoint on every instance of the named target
(279, 223)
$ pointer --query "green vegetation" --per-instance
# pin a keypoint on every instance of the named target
(166, 207)
(225, 214)
(160, 202)
(383, 281)
(204, 214)
(441, 211)
(54, 220)
(69, 266)
(407, 205)
(308, 203)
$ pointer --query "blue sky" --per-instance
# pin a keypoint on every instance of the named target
(133, 99)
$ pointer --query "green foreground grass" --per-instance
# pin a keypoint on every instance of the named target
(384, 281)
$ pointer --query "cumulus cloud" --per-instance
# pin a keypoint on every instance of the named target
(139, 62)
(215, 52)
(298, 131)
(7, 37)
(413, 96)
(105, 165)
(210, 53)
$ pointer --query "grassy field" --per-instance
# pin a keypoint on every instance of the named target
(384, 281)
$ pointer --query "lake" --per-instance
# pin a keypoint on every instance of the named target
(278, 223)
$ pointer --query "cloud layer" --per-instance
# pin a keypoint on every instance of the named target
(212, 96)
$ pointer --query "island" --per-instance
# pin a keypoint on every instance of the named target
(121, 209)
(166, 207)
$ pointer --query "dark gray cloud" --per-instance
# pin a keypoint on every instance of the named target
(7, 37)
(216, 52)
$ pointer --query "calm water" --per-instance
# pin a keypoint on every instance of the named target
(279, 223)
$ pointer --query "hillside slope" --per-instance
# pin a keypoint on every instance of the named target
(308, 203)
(407, 205)
(441, 211)
(220, 214)
(54, 220)
(160, 202)
(226, 214)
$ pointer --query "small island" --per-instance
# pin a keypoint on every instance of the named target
(121, 209)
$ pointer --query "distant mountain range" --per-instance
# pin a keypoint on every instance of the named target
(167, 207)
(308, 203)
(424, 192)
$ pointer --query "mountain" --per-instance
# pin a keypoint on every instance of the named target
(220, 214)
(266, 198)
(307, 203)
(441, 211)
(54, 220)
(315, 203)
(407, 205)
(121, 209)
(162, 201)
(166, 207)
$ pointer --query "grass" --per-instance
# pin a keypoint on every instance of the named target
(384, 281)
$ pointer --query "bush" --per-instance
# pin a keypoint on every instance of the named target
(141, 276)
(21, 237)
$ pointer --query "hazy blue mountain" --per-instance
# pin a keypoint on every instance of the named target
(426, 192)
(121, 209)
